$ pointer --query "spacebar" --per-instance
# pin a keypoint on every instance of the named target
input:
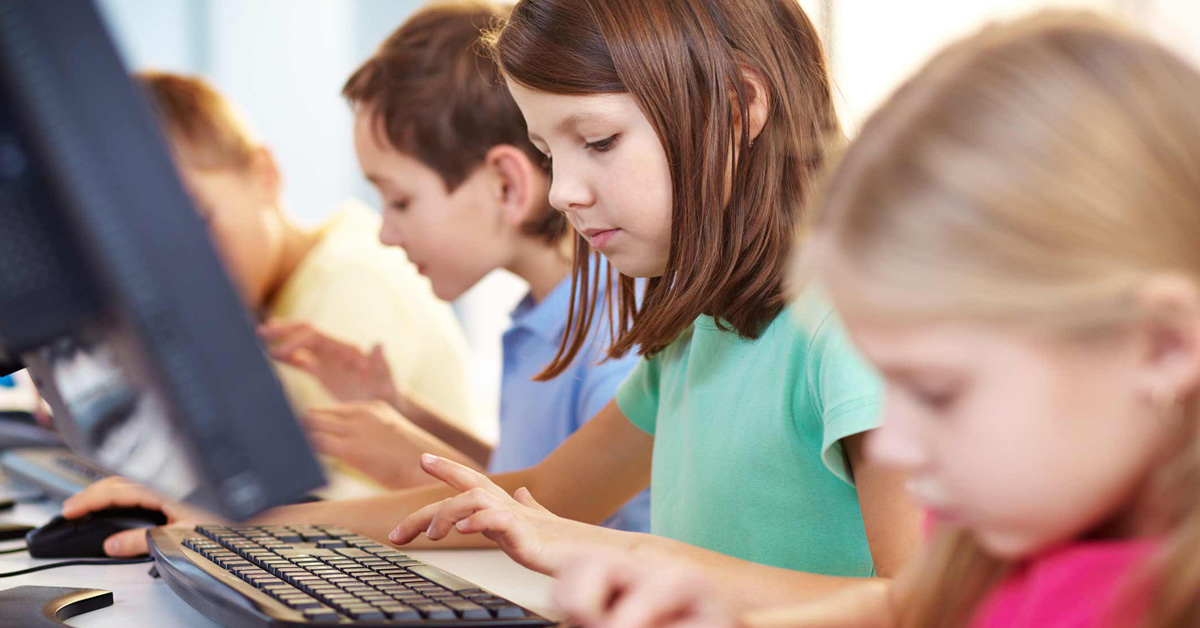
(437, 576)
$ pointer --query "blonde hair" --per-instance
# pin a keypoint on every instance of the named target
(205, 128)
(1034, 173)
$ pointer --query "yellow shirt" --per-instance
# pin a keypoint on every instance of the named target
(354, 288)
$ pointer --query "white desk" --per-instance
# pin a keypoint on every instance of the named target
(140, 600)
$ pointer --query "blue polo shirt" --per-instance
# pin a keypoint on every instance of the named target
(536, 417)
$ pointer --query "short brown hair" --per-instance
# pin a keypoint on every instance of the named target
(204, 128)
(438, 98)
(681, 60)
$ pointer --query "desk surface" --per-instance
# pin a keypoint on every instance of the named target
(140, 600)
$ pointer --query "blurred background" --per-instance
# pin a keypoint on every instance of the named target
(284, 62)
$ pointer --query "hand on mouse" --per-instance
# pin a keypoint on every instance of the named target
(117, 492)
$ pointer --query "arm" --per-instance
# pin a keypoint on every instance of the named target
(352, 375)
(597, 469)
(451, 435)
(545, 544)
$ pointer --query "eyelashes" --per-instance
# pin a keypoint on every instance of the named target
(602, 146)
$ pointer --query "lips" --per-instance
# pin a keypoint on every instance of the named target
(600, 237)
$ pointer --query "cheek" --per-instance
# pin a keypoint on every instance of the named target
(1049, 459)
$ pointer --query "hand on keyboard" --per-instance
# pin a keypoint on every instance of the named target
(600, 590)
(114, 492)
(533, 536)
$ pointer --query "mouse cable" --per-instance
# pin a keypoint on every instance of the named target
(84, 561)
(23, 548)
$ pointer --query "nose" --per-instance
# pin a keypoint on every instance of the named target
(390, 234)
(568, 192)
(898, 443)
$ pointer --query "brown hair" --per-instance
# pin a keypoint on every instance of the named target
(684, 62)
(438, 98)
(204, 128)
(1035, 173)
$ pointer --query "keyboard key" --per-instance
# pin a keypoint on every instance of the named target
(509, 611)
(321, 614)
(435, 611)
(364, 612)
(468, 610)
(400, 611)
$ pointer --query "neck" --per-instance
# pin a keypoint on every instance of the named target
(542, 267)
(298, 241)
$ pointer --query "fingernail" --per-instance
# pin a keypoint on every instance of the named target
(111, 546)
(394, 535)
(460, 525)
(428, 458)
(429, 531)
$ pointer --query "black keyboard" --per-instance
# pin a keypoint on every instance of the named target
(318, 575)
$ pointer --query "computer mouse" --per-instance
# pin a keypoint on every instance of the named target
(84, 537)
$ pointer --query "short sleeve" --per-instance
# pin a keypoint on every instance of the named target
(599, 386)
(845, 389)
(637, 396)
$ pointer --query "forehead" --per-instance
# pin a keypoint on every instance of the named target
(901, 344)
(547, 113)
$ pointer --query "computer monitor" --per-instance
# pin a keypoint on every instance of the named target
(110, 290)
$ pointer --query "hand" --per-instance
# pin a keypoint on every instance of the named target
(347, 372)
(118, 492)
(527, 532)
(374, 438)
(600, 591)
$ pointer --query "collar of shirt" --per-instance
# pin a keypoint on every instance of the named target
(547, 318)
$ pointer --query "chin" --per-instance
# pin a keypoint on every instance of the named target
(1009, 545)
(638, 269)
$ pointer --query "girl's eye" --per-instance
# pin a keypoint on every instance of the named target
(398, 205)
(547, 164)
(938, 400)
(602, 146)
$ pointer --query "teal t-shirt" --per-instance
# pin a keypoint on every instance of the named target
(747, 454)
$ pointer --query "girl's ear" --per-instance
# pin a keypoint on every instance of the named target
(1171, 332)
(758, 105)
(516, 183)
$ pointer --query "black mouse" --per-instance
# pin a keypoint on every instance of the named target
(84, 537)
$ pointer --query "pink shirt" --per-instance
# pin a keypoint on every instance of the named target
(1083, 585)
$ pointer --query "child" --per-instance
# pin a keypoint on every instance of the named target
(1012, 241)
(684, 139)
(464, 194)
(337, 277)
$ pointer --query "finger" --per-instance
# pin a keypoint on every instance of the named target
(126, 544)
(108, 493)
(377, 363)
(316, 421)
(458, 508)
(413, 525)
(461, 477)
(303, 339)
(490, 522)
(277, 328)
(586, 588)
(525, 498)
(328, 444)
(652, 601)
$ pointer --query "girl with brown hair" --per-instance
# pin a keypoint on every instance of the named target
(1012, 242)
(684, 136)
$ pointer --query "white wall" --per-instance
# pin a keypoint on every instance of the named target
(876, 44)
